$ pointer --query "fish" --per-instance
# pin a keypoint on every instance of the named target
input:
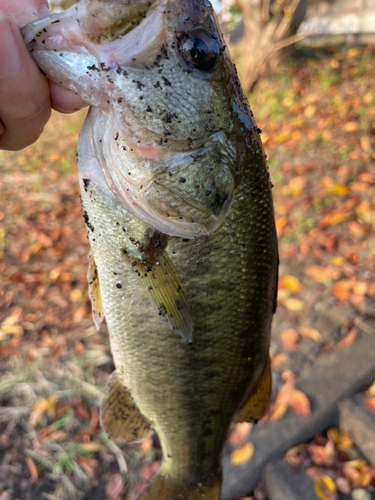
(176, 197)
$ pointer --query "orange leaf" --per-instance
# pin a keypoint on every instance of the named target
(310, 333)
(289, 338)
(114, 487)
(279, 361)
(280, 406)
(370, 403)
(323, 274)
(335, 217)
(341, 289)
(88, 464)
(325, 488)
(297, 185)
(291, 283)
(300, 403)
(33, 469)
(243, 454)
(239, 435)
(294, 305)
(349, 339)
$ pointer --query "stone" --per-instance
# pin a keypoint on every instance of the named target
(284, 482)
(360, 423)
(335, 376)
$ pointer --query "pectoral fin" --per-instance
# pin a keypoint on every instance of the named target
(166, 294)
(120, 417)
(94, 292)
(256, 406)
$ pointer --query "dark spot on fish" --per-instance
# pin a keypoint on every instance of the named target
(87, 221)
(166, 81)
(149, 109)
(119, 100)
(43, 41)
(259, 130)
(118, 285)
(116, 136)
(182, 179)
(57, 21)
(86, 183)
(134, 263)
(208, 192)
(157, 85)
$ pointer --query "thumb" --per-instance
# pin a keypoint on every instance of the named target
(22, 12)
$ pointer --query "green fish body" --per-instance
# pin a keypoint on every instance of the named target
(177, 202)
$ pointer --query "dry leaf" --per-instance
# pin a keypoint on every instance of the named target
(325, 488)
(323, 274)
(88, 464)
(294, 305)
(370, 403)
(339, 438)
(343, 485)
(322, 455)
(33, 469)
(291, 283)
(297, 185)
(351, 127)
(281, 404)
(90, 447)
(349, 339)
(335, 217)
(243, 454)
(300, 403)
(338, 189)
(341, 289)
(41, 407)
(310, 333)
(241, 432)
(279, 361)
(114, 487)
(289, 339)
(371, 390)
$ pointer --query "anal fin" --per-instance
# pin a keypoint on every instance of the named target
(94, 292)
(166, 294)
(120, 417)
(257, 404)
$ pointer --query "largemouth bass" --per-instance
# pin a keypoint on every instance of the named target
(177, 202)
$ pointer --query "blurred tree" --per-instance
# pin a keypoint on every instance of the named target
(261, 33)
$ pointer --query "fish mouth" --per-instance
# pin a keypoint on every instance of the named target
(114, 31)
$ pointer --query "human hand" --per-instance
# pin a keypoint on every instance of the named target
(26, 96)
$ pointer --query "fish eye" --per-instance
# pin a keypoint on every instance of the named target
(201, 50)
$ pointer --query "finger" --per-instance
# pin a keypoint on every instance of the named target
(22, 12)
(64, 100)
(25, 100)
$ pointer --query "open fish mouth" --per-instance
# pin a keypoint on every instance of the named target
(98, 27)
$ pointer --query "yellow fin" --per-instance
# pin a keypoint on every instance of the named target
(256, 406)
(94, 292)
(120, 417)
(166, 294)
(162, 487)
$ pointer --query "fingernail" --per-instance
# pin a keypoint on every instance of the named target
(10, 57)
(44, 12)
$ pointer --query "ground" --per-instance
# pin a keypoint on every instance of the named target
(317, 114)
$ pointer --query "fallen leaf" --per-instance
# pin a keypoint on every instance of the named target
(341, 289)
(343, 485)
(243, 454)
(309, 111)
(300, 404)
(338, 189)
(361, 494)
(33, 469)
(88, 464)
(41, 407)
(281, 404)
(310, 333)
(289, 339)
(291, 283)
(90, 447)
(339, 438)
(370, 403)
(114, 487)
(371, 390)
(297, 185)
(239, 435)
(349, 339)
(279, 360)
(294, 305)
(325, 488)
(323, 274)
(335, 217)
(351, 127)
(322, 455)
